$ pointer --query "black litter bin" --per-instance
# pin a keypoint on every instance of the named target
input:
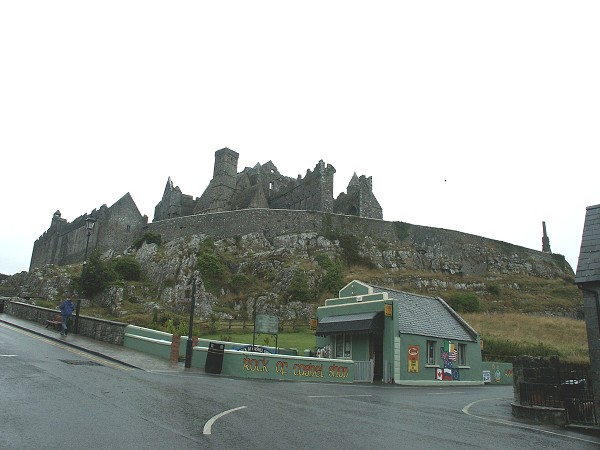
(214, 358)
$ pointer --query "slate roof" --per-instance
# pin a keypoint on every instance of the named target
(588, 266)
(428, 316)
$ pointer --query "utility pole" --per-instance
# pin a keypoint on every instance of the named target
(189, 346)
(89, 226)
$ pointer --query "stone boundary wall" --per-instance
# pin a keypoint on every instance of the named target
(99, 329)
(529, 369)
(416, 246)
(271, 222)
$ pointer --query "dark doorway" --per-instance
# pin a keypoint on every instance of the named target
(377, 350)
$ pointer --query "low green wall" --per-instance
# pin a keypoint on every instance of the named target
(245, 364)
(497, 372)
(279, 367)
(144, 344)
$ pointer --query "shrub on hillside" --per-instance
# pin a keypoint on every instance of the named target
(333, 279)
(214, 271)
(299, 290)
(464, 302)
(505, 350)
(127, 268)
(149, 238)
(351, 252)
(96, 275)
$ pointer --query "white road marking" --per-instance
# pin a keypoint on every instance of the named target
(444, 393)
(8, 355)
(517, 425)
(209, 424)
(339, 396)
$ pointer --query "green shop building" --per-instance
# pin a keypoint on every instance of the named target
(398, 337)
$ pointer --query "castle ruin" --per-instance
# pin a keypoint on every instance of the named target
(262, 186)
(259, 188)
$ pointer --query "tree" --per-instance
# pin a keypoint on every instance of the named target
(96, 275)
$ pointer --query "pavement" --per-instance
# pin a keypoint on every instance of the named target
(112, 352)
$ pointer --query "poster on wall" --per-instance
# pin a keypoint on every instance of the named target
(413, 358)
(446, 355)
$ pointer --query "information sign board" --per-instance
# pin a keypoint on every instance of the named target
(265, 324)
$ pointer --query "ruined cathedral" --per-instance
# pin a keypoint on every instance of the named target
(262, 186)
(259, 188)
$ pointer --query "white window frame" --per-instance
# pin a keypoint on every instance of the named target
(346, 346)
(431, 351)
(462, 355)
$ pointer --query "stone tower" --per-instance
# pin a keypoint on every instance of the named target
(225, 171)
(545, 240)
(217, 197)
(359, 199)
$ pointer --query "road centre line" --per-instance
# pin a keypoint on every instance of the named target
(517, 425)
(208, 425)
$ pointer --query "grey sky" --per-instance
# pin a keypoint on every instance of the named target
(473, 116)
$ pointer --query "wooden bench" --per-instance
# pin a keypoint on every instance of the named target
(56, 322)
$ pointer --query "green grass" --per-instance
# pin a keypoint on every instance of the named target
(300, 340)
(517, 333)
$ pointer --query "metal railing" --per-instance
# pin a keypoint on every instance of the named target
(363, 371)
(574, 396)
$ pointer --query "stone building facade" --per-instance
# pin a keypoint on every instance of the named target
(64, 242)
(262, 186)
(587, 279)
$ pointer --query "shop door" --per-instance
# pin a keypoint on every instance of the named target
(377, 342)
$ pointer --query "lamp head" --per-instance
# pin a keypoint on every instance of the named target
(89, 223)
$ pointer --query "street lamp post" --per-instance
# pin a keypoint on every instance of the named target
(89, 226)
(189, 346)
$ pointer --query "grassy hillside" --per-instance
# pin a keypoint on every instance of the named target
(541, 335)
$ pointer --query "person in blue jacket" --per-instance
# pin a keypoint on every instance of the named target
(66, 310)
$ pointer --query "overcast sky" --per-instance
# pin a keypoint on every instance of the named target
(475, 116)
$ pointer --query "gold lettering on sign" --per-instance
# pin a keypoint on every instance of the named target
(255, 365)
(308, 370)
(338, 372)
(280, 367)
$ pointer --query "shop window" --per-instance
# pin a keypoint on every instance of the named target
(343, 346)
(462, 354)
(431, 353)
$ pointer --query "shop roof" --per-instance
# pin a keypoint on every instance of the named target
(428, 316)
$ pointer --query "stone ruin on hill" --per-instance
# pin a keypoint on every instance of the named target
(259, 187)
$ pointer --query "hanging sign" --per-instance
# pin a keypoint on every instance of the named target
(389, 310)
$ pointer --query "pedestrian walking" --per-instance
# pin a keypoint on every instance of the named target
(66, 310)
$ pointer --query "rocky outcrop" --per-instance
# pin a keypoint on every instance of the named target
(398, 255)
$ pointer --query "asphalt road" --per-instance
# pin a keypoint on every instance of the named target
(56, 396)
